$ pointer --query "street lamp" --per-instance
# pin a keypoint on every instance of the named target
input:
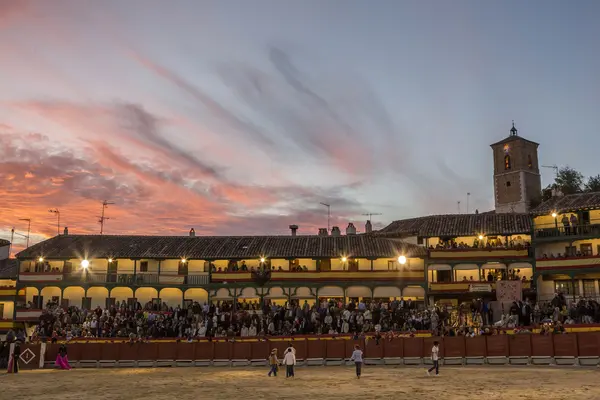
(262, 259)
(402, 260)
(344, 259)
(57, 212)
(85, 264)
(480, 237)
(41, 259)
(555, 215)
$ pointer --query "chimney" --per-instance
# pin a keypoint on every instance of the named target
(368, 227)
(192, 233)
(323, 232)
(66, 231)
(476, 211)
(335, 231)
(351, 229)
(294, 229)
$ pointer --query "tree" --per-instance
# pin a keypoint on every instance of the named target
(569, 181)
(593, 184)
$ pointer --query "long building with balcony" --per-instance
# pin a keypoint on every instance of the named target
(469, 253)
(93, 271)
(8, 287)
(566, 238)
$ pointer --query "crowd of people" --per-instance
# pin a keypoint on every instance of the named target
(386, 319)
(483, 243)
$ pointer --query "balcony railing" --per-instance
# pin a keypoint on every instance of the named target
(469, 286)
(129, 279)
(360, 275)
(584, 263)
(558, 230)
(480, 253)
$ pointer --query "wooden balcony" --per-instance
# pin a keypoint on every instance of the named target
(339, 276)
(482, 255)
(560, 233)
(116, 279)
(470, 286)
(570, 263)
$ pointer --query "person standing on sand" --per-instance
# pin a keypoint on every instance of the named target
(289, 360)
(273, 362)
(357, 355)
(434, 357)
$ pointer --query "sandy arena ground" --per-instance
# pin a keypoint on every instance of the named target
(310, 383)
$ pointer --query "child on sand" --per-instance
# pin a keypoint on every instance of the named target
(273, 362)
(358, 360)
(434, 357)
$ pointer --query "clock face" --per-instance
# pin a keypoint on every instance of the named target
(506, 148)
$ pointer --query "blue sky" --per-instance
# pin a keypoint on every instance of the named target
(240, 117)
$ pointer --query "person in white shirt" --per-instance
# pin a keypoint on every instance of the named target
(435, 350)
(289, 360)
(357, 357)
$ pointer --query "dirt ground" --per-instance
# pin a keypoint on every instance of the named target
(310, 383)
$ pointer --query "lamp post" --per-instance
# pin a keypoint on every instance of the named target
(57, 212)
(555, 216)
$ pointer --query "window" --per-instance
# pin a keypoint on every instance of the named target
(586, 249)
(507, 164)
(352, 265)
(143, 266)
(507, 183)
(529, 161)
(570, 251)
(567, 287)
(589, 288)
(392, 265)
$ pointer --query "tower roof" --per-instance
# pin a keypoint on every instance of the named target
(513, 137)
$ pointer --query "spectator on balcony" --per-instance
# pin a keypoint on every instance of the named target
(565, 222)
(574, 224)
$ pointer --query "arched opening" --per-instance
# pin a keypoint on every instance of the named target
(75, 295)
(357, 293)
(221, 295)
(50, 293)
(172, 297)
(331, 292)
(439, 273)
(387, 293)
(30, 293)
(277, 295)
(415, 293)
(121, 294)
(196, 294)
(97, 296)
(145, 295)
(507, 163)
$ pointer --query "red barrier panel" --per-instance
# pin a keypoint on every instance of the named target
(241, 350)
(335, 348)
(185, 351)
(127, 351)
(454, 346)
(148, 351)
(222, 350)
(260, 350)
(74, 351)
(476, 346)
(428, 344)
(30, 356)
(519, 345)
(374, 350)
(204, 351)
(542, 346)
(587, 344)
(109, 352)
(565, 345)
(91, 351)
(391, 349)
(497, 345)
(350, 346)
(316, 348)
(281, 346)
(52, 352)
(413, 347)
(301, 348)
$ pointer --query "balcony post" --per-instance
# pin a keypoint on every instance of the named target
(159, 262)
(134, 270)
(372, 264)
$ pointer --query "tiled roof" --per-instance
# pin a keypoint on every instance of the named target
(571, 202)
(512, 139)
(219, 247)
(460, 225)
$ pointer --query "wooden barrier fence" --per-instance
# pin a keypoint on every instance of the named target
(574, 345)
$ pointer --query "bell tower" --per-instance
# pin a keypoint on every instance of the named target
(517, 181)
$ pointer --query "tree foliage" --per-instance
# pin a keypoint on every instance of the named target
(593, 184)
(569, 181)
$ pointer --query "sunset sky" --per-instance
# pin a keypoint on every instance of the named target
(240, 117)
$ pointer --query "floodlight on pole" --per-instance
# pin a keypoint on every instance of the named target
(105, 205)
(57, 212)
(28, 228)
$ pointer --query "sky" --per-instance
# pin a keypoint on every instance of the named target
(241, 117)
